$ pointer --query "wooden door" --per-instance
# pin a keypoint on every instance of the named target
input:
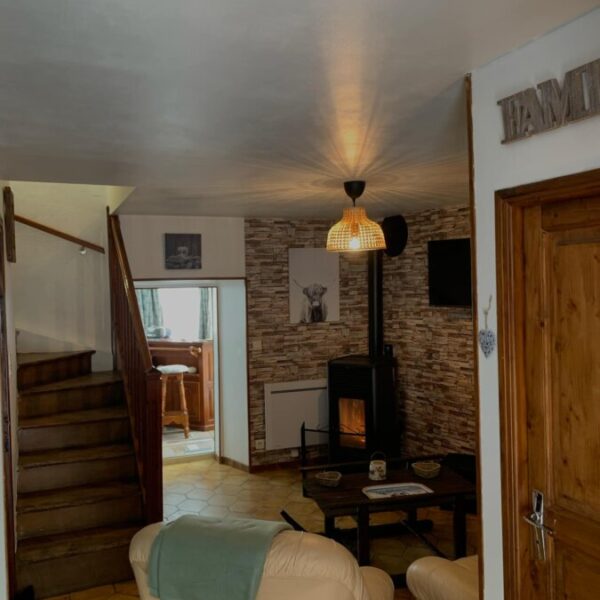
(551, 396)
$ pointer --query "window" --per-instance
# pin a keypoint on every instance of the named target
(177, 314)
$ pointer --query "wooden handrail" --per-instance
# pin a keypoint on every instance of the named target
(60, 234)
(126, 280)
(141, 380)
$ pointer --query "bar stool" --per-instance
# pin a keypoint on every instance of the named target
(181, 416)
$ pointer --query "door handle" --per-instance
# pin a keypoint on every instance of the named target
(539, 526)
(536, 520)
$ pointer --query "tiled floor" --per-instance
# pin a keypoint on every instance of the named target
(119, 591)
(207, 488)
(176, 448)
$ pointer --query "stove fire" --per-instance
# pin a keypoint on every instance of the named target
(353, 426)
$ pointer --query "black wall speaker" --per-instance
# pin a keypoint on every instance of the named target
(395, 231)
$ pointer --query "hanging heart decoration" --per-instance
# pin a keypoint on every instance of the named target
(487, 341)
(487, 338)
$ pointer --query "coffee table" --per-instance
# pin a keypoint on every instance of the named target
(348, 499)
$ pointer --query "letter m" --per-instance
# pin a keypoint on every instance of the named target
(561, 106)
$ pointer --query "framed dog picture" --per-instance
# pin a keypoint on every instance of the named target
(314, 285)
(183, 251)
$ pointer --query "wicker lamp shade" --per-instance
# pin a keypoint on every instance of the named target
(355, 232)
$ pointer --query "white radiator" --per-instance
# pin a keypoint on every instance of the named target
(288, 405)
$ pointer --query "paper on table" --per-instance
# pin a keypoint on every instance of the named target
(391, 490)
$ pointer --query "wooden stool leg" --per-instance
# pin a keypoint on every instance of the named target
(184, 410)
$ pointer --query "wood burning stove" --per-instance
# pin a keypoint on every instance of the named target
(362, 399)
(362, 412)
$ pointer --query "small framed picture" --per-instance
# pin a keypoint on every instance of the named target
(183, 251)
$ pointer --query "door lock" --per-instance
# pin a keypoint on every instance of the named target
(536, 520)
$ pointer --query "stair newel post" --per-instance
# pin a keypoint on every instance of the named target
(153, 459)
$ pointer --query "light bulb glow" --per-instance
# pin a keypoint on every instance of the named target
(355, 232)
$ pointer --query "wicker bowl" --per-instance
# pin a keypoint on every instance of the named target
(329, 478)
(426, 469)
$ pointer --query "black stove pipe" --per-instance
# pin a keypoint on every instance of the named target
(375, 285)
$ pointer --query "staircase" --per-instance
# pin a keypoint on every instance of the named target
(79, 500)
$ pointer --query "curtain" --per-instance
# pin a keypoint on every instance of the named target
(206, 314)
(150, 310)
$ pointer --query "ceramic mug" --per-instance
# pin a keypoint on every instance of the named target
(377, 467)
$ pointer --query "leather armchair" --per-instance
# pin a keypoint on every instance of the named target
(434, 578)
(299, 566)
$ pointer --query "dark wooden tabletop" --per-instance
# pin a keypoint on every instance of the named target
(348, 494)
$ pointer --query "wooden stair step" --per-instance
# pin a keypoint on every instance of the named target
(27, 359)
(72, 509)
(69, 544)
(75, 496)
(89, 380)
(73, 418)
(65, 563)
(69, 467)
(94, 390)
(74, 429)
(72, 455)
(79, 501)
(40, 368)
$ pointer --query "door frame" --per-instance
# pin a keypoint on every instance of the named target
(178, 282)
(213, 282)
(468, 86)
(510, 206)
(7, 445)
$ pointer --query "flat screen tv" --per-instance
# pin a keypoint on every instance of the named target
(449, 272)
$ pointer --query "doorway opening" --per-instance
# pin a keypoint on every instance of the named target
(223, 310)
(181, 326)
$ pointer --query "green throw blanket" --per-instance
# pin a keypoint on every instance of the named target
(201, 558)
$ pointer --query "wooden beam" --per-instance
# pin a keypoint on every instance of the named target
(60, 234)
(9, 224)
(472, 215)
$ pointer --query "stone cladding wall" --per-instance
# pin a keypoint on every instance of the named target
(278, 350)
(433, 346)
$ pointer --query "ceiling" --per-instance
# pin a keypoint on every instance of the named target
(262, 107)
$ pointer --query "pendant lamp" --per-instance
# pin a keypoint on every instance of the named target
(355, 231)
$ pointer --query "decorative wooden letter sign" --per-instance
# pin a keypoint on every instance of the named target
(551, 106)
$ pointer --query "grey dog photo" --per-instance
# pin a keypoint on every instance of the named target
(183, 251)
(314, 285)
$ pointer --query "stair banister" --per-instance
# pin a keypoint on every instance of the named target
(141, 380)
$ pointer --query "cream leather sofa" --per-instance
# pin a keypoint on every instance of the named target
(299, 566)
(434, 578)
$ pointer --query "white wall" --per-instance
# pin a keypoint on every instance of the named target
(572, 149)
(223, 262)
(233, 390)
(223, 246)
(62, 299)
